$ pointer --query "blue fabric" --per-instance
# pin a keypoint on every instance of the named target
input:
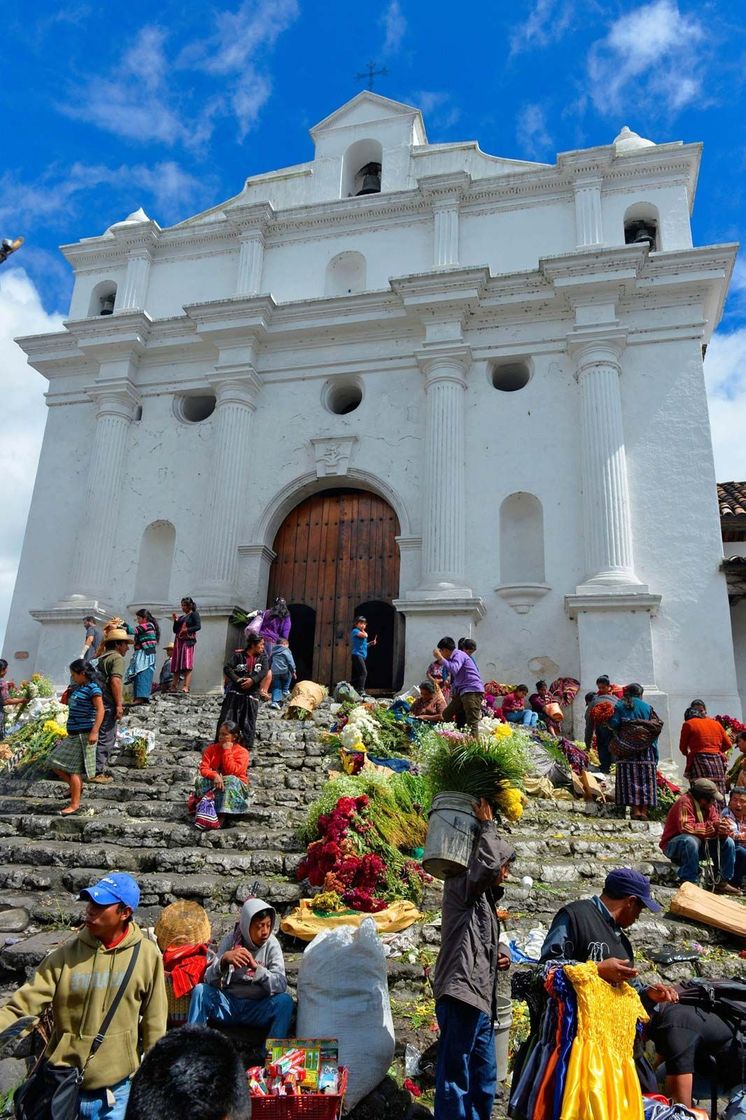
(528, 1082)
(398, 765)
(81, 714)
(93, 1104)
(635, 708)
(359, 642)
(274, 1012)
(568, 1028)
(283, 661)
(466, 1073)
(527, 718)
(740, 871)
(684, 850)
(280, 686)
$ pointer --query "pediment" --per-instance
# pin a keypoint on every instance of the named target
(364, 109)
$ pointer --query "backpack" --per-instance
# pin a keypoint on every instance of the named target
(727, 1000)
(206, 815)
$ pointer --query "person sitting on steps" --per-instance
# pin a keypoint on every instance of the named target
(694, 824)
(245, 983)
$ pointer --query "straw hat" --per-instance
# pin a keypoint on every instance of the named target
(182, 923)
(118, 635)
(169, 645)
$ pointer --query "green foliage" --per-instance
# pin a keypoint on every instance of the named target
(475, 767)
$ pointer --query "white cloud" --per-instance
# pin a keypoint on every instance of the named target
(395, 28)
(531, 131)
(140, 100)
(546, 23)
(725, 375)
(24, 415)
(437, 107)
(652, 56)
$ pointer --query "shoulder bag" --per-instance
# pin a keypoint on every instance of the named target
(53, 1092)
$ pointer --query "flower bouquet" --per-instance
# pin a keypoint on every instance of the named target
(30, 745)
(476, 768)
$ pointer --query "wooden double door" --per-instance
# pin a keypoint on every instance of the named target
(336, 556)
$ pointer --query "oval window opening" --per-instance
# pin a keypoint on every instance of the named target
(343, 397)
(195, 409)
(511, 376)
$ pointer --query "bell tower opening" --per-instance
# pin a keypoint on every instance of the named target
(362, 169)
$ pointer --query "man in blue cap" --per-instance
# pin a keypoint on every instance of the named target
(592, 929)
(81, 979)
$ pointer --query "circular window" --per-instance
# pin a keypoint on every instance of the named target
(508, 377)
(194, 409)
(342, 397)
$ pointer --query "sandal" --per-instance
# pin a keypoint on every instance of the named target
(69, 812)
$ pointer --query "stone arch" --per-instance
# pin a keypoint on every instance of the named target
(642, 216)
(521, 539)
(103, 298)
(153, 580)
(346, 274)
(358, 156)
(289, 496)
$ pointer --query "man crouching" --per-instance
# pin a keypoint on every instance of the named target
(245, 982)
(465, 977)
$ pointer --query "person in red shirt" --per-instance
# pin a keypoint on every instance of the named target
(706, 745)
(224, 772)
(694, 821)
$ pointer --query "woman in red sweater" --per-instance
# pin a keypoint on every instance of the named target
(705, 744)
(224, 771)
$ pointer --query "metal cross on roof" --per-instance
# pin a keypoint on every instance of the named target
(371, 73)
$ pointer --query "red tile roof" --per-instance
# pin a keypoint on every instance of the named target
(732, 499)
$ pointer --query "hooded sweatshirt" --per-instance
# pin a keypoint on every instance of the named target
(466, 968)
(269, 978)
(80, 980)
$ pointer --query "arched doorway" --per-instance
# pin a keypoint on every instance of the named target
(335, 552)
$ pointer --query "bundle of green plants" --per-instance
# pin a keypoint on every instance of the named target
(475, 768)
(394, 814)
(393, 736)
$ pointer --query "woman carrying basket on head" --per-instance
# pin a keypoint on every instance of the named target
(634, 746)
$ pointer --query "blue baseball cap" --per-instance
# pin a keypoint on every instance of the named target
(116, 887)
(624, 881)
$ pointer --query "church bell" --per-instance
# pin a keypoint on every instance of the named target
(371, 175)
(642, 233)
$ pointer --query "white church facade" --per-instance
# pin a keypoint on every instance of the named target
(462, 393)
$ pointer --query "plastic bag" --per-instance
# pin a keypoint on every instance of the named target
(343, 993)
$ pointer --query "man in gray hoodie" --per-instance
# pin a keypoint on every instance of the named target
(472, 952)
(245, 981)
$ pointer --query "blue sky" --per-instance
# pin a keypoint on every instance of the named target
(171, 106)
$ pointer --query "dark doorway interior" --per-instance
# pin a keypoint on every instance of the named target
(384, 671)
(302, 637)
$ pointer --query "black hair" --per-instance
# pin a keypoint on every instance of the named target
(467, 645)
(589, 696)
(233, 728)
(279, 609)
(192, 1071)
(616, 894)
(89, 618)
(3, 664)
(261, 914)
(190, 603)
(603, 679)
(633, 691)
(81, 666)
(540, 685)
(447, 643)
(521, 688)
(112, 643)
(252, 640)
(143, 613)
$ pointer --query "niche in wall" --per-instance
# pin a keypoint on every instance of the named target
(521, 551)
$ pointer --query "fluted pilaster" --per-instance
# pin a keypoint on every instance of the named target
(446, 235)
(588, 216)
(250, 264)
(135, 289)
(444, 520)
(236, 402)
(97, 537)
(606, 504)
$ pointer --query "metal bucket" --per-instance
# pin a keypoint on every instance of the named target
(452, 830)
(502, 1026)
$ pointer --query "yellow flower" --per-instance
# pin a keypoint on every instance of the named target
(510, 801)
(55, 728)
(503, 731)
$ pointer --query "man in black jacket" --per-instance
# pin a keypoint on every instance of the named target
(465, 977)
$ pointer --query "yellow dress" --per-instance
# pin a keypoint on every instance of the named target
(602, 1082)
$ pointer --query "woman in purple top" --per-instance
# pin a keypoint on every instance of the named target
(465, 706)
(275, 625)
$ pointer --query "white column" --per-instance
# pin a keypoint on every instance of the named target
(135, 288)
(445, 235)
(588, 216)
(236, 402)
(250, 264)
(606, 505)
(97, 536)
(444, 514)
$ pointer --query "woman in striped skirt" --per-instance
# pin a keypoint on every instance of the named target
(75, 755)
(706, 744)
(142, 665)
(635, 777)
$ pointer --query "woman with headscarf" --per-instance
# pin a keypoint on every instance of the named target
(185, 628)
(636, 784)
(276, 624)
(142, 666)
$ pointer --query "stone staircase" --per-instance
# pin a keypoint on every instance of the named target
(138, 823)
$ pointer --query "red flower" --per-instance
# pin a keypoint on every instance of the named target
(410, 1086)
